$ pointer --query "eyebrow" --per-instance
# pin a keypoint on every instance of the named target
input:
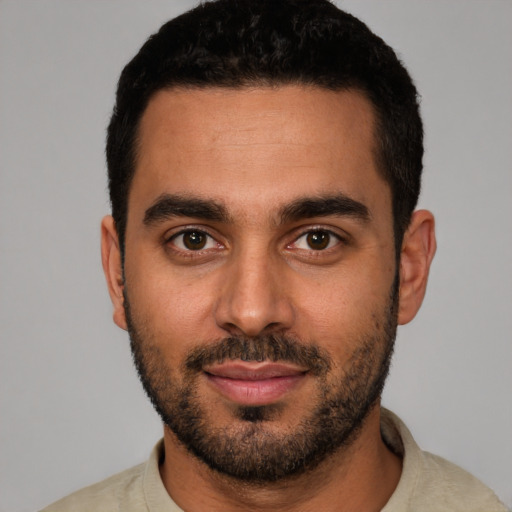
(339, 205)
(168, 206)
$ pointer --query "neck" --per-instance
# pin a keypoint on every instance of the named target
(361, 476)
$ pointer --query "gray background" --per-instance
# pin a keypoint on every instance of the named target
(71, 409)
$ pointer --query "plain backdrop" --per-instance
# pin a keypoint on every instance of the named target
(71, 409)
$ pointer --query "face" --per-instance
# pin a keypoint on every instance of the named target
(259, 278)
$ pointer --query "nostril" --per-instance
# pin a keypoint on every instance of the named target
(232, 329)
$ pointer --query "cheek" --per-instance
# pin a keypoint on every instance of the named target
(345, 309)
(170, 307)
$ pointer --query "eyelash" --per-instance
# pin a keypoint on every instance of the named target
(311, 231)
(191, 252)
(185, 252)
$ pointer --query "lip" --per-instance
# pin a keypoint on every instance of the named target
(253, 383)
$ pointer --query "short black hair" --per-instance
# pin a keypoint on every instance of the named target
(240, 43)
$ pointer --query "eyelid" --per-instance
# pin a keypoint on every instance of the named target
(174, 233)
(332, 243)
(340, 235)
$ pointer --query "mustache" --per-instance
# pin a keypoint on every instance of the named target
(271, 347)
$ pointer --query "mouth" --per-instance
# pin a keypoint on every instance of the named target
(254, 383)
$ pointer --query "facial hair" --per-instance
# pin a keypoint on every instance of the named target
(251, 449)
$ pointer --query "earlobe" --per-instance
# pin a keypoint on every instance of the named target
(113, 269)
(418, 249)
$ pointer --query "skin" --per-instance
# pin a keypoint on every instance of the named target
(255, 151)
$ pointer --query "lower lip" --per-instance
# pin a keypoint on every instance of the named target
(255, 392)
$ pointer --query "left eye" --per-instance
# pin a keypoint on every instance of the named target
(317, 240)
(193, 240)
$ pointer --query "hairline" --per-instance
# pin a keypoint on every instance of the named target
(262, 84)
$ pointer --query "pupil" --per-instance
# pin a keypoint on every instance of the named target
(318, 240)
(194, 240)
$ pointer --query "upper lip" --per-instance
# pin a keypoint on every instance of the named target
(242, 370)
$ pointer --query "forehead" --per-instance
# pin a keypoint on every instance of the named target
(257, 146)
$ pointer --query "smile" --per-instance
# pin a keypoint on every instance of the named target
(254, 384)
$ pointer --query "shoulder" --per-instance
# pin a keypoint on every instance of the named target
(430, 483)
(137, 489)
(106, 495)
(452, 488)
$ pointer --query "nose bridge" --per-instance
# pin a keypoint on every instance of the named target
(253, 298)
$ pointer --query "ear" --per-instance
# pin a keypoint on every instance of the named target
(113, 269)
(418, 249)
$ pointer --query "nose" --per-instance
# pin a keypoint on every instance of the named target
(253, 298)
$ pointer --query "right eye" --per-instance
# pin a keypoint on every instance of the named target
(193, 240)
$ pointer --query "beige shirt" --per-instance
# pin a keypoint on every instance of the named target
(428, 484)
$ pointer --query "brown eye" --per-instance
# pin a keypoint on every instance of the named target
(194, 240)
(318, 240)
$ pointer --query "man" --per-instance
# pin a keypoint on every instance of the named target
(264, 165)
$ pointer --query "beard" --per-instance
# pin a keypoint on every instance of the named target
(252, 448)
